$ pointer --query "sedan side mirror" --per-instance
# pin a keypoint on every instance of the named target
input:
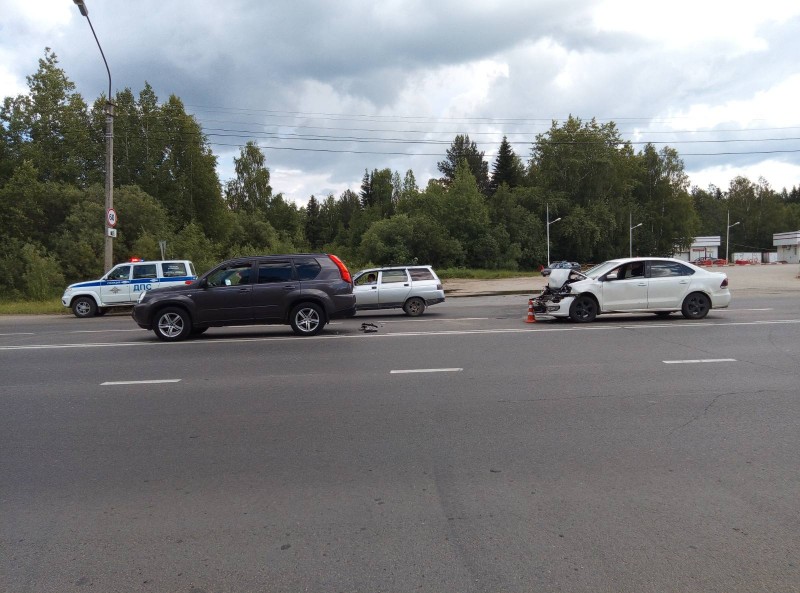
(612, 275)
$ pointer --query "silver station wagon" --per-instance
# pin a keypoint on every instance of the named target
(412, 288)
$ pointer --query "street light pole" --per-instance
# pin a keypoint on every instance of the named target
(728, 236)
(630, 234)
(108, 260)
(549, 222)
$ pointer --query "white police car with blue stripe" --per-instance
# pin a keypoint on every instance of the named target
(123, 284)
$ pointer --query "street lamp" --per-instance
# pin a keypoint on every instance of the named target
(630, 234)
(728, 236)
(549, 222)
(109, 216)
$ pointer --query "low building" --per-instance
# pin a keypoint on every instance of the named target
(701, 247)
(788, 246)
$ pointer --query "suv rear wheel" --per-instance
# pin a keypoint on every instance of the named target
(307, 319)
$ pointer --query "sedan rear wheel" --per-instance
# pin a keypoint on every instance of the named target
(172, 325)
(307, 319)
(583, 309)
(696, 306)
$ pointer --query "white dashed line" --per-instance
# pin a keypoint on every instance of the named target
(454, 370)
(141, 382)
(699, 360)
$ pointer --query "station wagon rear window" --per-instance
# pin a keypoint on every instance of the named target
(420, 274)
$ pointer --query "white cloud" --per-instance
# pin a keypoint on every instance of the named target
(687, 23)
(778, 174)
(775, 106)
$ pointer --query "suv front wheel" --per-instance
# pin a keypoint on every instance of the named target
(307, 319)
(83, 307)
(172, 324)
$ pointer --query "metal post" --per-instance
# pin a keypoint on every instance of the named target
(630, 233)
(728, 236)
(548, 222)
(547, 219)
(108, 259)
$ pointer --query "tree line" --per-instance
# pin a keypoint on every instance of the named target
(52, 149)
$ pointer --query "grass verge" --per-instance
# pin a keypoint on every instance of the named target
(48, 307)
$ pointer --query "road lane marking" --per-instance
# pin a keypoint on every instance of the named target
(402, 371)
(150, 382)
(699, 360)
(103, 331)
(20, 334)
(527, 330)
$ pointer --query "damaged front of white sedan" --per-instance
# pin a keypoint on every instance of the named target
(633, 285)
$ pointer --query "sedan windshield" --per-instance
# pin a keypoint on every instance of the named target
(601, 269)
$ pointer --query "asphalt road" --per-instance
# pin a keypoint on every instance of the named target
(462, 451)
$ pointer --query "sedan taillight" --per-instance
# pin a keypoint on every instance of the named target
(724, 283)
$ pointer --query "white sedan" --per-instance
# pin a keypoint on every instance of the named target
(634, 285)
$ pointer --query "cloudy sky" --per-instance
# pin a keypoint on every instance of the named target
(329, 89)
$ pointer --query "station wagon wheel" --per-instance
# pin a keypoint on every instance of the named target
(84, 307)
(583, 309)
(696, 306)
(307, 319)
(172, 324)
(414, 307)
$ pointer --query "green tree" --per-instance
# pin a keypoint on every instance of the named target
(312, 226)
(586, 166)
(49, 126)
(464, 149)
(410, 239)
(508, 168)
(663, 203)
(250, 190)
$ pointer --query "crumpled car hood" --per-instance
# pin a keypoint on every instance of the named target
(559, 277)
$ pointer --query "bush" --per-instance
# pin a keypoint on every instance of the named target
(42, 278)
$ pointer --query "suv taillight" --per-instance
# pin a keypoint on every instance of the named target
(724, 283)
(342, 268)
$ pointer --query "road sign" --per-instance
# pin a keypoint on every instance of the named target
(111, 217)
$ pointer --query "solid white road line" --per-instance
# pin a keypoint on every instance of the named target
(453, 370)
(532, 329)
(141, 382)
(699, 360)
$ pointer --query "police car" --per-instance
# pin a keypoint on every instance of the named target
(123, 284)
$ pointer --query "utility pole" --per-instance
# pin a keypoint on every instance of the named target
(109, 215)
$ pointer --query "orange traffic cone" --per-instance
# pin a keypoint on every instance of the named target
(531, 315)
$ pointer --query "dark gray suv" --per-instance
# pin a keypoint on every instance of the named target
(302, 290)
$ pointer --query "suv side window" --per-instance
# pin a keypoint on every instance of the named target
(274, 271)
(230, 275)
(174, 269)
(307, 269)
(120, 273)
(392, 276)
(144, 271)
(420, 274)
